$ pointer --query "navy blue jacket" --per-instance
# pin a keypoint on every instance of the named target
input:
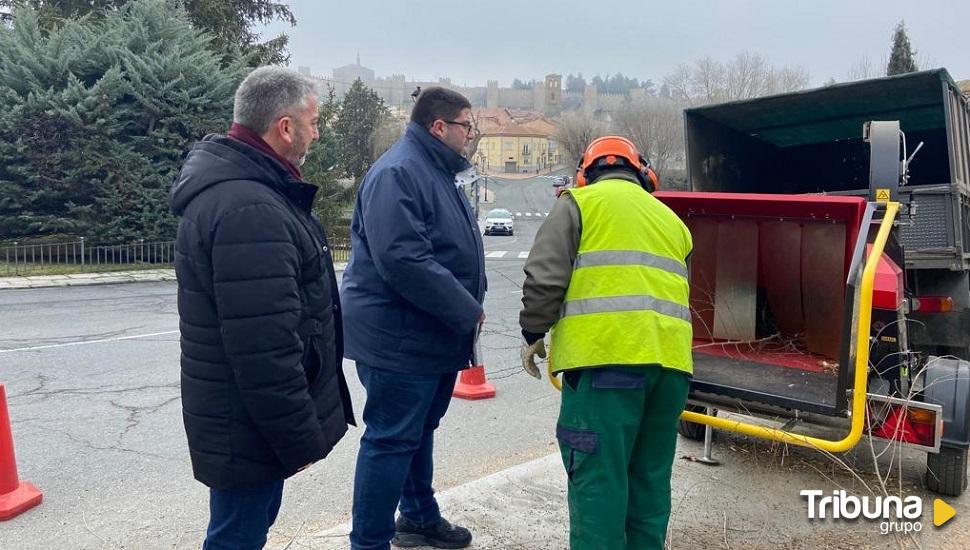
(413, 290)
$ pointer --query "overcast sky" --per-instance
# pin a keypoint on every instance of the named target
(472, 41)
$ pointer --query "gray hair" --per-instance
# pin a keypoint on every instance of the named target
(269, 93)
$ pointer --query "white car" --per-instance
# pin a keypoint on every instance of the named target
(499, 221)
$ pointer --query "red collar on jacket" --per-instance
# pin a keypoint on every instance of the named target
(241, 133)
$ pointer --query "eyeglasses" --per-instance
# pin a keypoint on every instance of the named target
(466, 125)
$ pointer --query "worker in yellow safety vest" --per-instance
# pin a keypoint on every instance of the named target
(607, 275)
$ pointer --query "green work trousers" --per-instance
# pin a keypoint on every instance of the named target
(617, 433)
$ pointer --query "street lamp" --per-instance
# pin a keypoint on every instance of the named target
(483, 162)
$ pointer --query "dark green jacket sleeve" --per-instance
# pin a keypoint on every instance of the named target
(550, 266)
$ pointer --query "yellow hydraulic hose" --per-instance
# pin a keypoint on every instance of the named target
(553, 378)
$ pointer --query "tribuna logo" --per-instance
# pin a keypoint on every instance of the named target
(899, 515)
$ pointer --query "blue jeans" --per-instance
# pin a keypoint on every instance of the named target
(240, 518)
(395, 463)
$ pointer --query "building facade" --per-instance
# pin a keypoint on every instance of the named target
(515, 142)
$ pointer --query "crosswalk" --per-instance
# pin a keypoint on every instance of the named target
(531, 214)
(506, 255)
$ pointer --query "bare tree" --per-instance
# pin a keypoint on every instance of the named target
(679, 85)
(709, 80)
(634, 120)
(792, 79)
(745, 76)
(668, 135)
(864, 69)
(925, 60)
(655, 125)
(473, 146)
(575, 131)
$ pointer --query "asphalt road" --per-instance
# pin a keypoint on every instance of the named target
(529, 201)
(92, 381)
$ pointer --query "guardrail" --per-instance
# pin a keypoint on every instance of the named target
(82, 257)
(340, 251)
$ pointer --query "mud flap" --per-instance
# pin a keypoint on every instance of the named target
(947, 383)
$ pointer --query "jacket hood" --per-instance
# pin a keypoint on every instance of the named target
(218, 158)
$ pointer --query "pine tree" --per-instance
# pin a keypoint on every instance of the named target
(321, 169)
(234, 24)
(96, 117)
(361, 114)
(902, 59)
(575, 84)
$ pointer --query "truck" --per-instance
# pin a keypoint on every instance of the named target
(830, 278)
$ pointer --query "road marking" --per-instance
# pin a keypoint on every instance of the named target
(506, 255)
(83, 342)
(528, 213)
(518, 213)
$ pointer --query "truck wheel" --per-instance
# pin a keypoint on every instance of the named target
(946, 471)
(693, 430)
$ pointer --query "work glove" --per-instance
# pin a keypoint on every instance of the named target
(528, 353)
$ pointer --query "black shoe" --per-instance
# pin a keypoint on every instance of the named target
(440, 535)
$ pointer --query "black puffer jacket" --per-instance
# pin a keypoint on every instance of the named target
(263, 392)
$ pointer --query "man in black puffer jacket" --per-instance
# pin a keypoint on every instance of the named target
(263, 392)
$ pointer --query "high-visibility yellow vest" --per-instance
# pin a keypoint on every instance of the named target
(627, 301)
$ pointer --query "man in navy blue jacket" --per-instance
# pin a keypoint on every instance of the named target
(412, 296)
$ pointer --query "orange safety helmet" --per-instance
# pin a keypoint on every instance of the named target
(620, 152)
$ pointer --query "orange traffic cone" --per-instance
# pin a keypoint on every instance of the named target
(16, 496)
(472, 383)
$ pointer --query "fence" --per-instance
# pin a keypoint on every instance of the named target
(79, 257)
(340, 250)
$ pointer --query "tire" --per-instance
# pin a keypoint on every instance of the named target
(946, 471)
(511, 233)
(693, 430)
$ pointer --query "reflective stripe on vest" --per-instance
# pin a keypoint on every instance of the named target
(625, 303)
(627, 300)
(630, 257)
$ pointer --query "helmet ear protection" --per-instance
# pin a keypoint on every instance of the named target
(648, 178)
(615, 152)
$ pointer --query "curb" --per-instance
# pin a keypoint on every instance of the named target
(105, 278)
(86, 279)
(523, 506)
